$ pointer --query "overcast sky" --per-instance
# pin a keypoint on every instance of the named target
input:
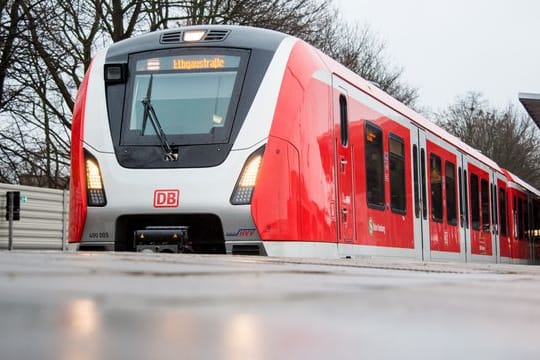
(448, 47)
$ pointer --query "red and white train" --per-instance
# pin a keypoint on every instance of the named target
(248, 141)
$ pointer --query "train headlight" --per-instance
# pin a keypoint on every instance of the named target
(243, 191)
(94, 183)
(194, 35)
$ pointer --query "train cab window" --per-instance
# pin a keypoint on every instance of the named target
(450, 180)
(475, 206)
(190, 95)
(435, 176)
(415, 177)
(374, 166)
(423, 180)
(397, 174)
(484, 197)
(502, 208)
(344, 121)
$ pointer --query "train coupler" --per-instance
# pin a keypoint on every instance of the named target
(162, 239)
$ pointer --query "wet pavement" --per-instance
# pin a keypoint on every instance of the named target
(143, 306)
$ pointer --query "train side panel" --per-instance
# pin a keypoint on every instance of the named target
(295, 194)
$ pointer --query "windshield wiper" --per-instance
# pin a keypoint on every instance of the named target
(149, 113)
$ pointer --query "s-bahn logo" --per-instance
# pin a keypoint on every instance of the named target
(166, 198)
(374, 227)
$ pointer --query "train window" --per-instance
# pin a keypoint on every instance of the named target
(450, 180)
(423, 179)
(466, 198)
(460, 179)
(397, 174)
(484, 197)
(525, 218)
(415, 177)
(374, 166)
(344, 121)
(494, 216)
(516, 217)
(190, 95)
(520, 219)
(435, 176)
(502, 208)
(475, 206)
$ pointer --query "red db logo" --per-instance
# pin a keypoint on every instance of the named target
(166, 198)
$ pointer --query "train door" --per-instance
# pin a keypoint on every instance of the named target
(344, 167)
(480, 213)
(421, 223)
(442, 169)
(465, 233)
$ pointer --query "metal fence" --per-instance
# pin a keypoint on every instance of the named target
(44, 218)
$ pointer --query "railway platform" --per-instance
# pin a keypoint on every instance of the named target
(86, 306)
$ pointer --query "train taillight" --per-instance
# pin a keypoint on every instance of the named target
(243, 191)
(94, 182)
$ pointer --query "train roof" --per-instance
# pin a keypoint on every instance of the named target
(215, 36)
(372, 90)
(517, 180)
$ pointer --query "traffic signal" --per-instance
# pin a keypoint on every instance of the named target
(14, 202)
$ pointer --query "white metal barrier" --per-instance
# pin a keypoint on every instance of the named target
(44, 218)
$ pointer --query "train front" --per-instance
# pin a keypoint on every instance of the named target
(169, 130)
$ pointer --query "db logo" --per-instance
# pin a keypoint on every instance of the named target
(166, 198)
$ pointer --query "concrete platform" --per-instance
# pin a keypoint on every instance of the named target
(146, 306)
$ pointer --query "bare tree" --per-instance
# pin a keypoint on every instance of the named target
(54, 41)
(10, 20)
(505, 135)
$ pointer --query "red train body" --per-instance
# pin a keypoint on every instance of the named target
(347, 170)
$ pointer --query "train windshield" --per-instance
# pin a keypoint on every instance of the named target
(194, 96)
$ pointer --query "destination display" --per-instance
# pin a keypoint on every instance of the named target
(189, 63)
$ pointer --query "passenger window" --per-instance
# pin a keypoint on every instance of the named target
(415, 177)
(484, 195)
(451, 206)
(520, 219)
(460, 182)
(475, 206)
(503, 210)
(494, 214)
(374, 167)
(435, 175)
(397, 174)
(344, 121)
(516, 218)
(525, 219)
(424, 190)
(466, 198)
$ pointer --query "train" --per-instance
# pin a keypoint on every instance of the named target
(241, 140)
